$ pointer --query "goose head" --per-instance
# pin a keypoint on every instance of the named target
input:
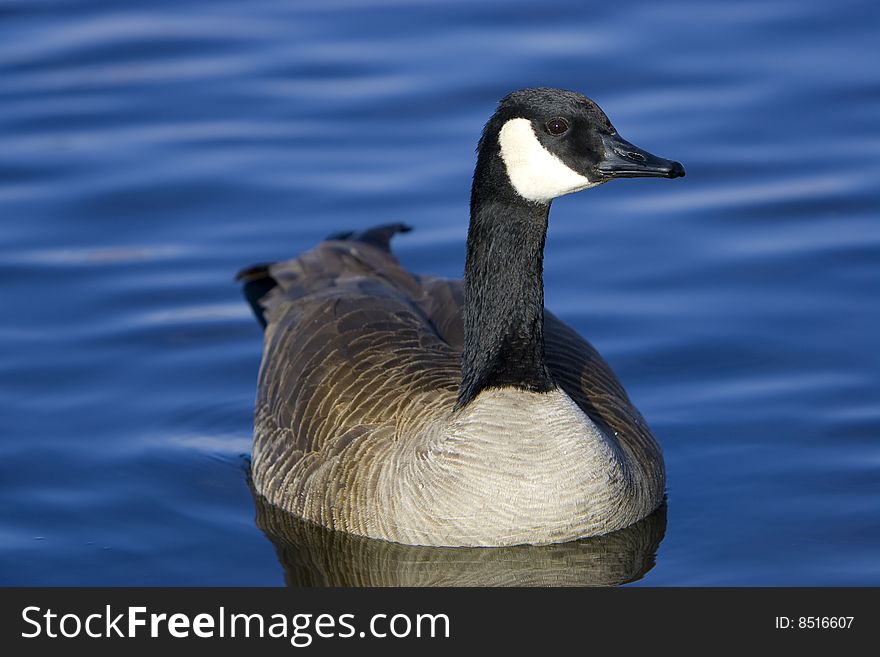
(538, 145)
(552, 142)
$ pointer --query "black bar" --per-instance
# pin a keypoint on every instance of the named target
(683, 621)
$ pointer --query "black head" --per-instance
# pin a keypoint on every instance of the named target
(554, 142)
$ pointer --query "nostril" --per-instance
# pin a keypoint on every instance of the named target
(638, 157)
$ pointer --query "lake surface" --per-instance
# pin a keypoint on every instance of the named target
(148, 150)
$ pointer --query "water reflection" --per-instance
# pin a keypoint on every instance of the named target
(314, 556)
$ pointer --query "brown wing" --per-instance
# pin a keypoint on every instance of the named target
(349, 354)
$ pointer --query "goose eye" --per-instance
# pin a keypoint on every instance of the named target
(556, 126)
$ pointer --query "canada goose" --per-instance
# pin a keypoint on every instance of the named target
(436, 412)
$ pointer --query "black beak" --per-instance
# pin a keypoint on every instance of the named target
(623, 160)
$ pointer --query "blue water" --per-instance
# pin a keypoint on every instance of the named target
(149, 149)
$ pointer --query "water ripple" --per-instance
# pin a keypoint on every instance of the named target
(152, 149)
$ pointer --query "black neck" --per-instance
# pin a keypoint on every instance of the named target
(504, 287)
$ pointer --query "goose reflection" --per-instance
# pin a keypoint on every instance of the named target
(312, 555)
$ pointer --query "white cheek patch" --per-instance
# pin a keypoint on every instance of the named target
(535, 173)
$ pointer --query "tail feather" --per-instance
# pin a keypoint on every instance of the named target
(257, 283)
(378, 236)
